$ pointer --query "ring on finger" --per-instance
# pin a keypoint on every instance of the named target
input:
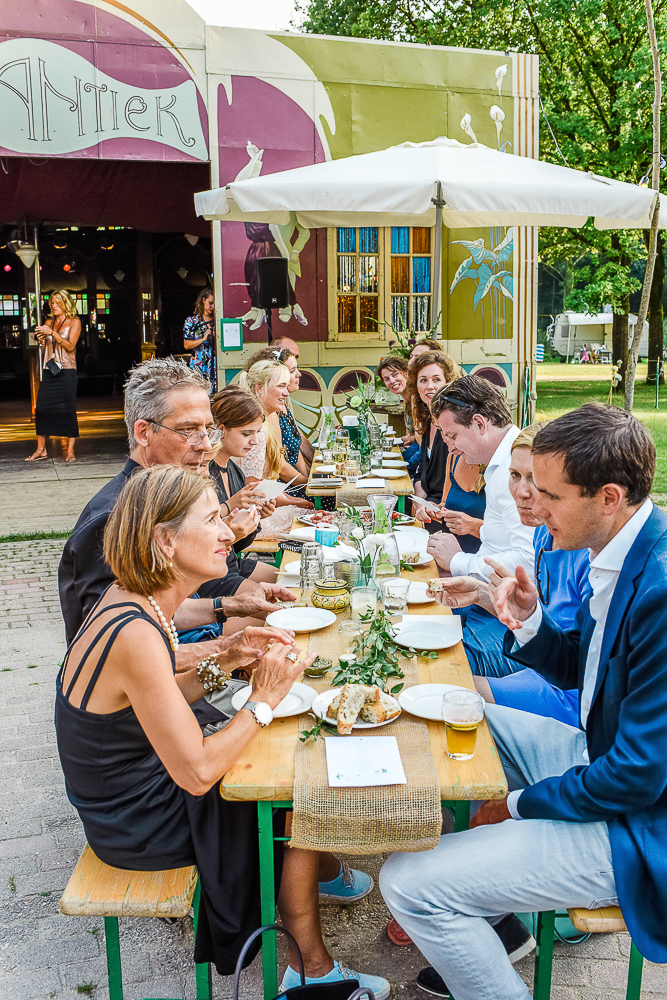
(293, 657)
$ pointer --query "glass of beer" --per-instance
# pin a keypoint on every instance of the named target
(462, 712)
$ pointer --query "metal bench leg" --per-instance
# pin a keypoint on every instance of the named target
(544, 954)
(114, 973)
(202, 969)
(267, 897)
(634, 974)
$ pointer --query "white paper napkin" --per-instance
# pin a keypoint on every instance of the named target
(373, 484)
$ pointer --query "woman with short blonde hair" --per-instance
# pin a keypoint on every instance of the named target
(138, 768)
(55, 410)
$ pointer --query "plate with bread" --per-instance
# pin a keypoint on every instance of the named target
(356, 706)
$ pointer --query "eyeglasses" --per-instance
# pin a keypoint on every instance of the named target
(543, 600)
(192, 437)
(442, 397)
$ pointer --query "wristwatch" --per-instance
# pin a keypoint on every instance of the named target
(263, 713)
(220, 615)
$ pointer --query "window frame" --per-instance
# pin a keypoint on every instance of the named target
(384, 333)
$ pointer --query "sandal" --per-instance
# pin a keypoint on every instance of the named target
(35, 458)
(397, 935)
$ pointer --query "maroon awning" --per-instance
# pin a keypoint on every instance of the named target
(155, 197)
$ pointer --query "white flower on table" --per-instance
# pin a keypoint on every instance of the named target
(357, 533)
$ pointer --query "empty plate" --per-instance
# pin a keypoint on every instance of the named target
(301, 619)
(425, 700)
(298, 699)
(385, 473)
(417, 593)
(394, 455)
(424, 635)
(324, 468)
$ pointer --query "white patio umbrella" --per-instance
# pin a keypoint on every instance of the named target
(433, 183)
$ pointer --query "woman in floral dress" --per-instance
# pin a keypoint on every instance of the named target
(199, 336)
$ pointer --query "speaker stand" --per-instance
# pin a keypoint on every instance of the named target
(268, 323)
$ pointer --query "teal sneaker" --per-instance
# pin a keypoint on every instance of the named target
(377, 984)
(349, 886)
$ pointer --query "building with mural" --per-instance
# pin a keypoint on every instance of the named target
(111, 119)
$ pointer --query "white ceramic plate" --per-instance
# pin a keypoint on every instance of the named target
(424, 559)
(385, 473)
(424, 635)
(301, 619)
(417, 593)
(298, 699)
(425, 700)
(322, 701)
(395, 456)
(389, 463)
(324, 468)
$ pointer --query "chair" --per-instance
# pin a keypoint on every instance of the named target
(603, 921)
(97, 890)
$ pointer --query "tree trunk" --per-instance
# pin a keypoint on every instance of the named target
(620, 343)
(655, 314)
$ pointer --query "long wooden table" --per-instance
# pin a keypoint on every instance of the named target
(265, 772)
(400, 487)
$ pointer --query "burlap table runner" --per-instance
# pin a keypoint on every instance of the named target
(365, 820)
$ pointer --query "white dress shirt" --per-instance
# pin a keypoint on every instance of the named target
(502, 534)
(603, 577)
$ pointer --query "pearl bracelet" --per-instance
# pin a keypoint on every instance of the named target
(211, 676)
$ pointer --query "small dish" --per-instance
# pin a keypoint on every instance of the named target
(301, 619)
(298, 699)
(386, 473)
(425, 700)
(324, 468)
(417, 593)
(424, 635)
(322, 701)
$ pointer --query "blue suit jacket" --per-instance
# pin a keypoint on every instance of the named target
(625, 783)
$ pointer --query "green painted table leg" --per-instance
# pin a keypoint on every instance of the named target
(318, 503)
(634, 974)
(461, 816)
(203, 982)
(114, 973)
(401, 505)
(267, 897)
(544, 955)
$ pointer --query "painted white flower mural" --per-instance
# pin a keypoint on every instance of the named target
(466, 125)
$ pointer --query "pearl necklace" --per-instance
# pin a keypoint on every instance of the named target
(169, 627)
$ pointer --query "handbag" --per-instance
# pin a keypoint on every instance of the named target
(347, 989)
(53, 367)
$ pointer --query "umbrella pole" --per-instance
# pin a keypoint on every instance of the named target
(437, 254)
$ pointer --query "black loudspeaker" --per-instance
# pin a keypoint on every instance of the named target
(272, 283)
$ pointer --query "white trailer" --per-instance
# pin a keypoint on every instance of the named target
(569, 332)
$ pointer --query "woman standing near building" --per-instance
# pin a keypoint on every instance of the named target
(199, 335)
(55, 412)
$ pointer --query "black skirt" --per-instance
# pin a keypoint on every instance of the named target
(55, 412)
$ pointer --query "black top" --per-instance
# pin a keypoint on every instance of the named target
(83, 575)
(236, 482)
(136, 817)
(433, 468)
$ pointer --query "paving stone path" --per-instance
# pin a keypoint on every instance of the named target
(46, 955)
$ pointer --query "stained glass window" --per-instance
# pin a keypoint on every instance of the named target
(357, 279)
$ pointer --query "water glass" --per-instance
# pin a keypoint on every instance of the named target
(327, 455)
(350, 638)
(395, 597)
(352, 472)
(462, 712)
(312, 561)
(354, 455)
(363, 602)
(376, 458)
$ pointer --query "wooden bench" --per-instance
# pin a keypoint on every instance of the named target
(606, 920)
(97, 890)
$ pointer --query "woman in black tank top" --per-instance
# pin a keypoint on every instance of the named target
(138, 770)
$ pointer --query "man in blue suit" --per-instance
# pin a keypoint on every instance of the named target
(585, 822)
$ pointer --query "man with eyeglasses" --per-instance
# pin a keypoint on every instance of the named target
(169, 422)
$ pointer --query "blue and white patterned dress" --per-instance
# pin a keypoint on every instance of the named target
(203, 357)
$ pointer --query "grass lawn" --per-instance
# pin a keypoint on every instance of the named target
(554, 398)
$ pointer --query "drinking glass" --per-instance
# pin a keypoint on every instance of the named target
(462, 712)
(363, 601)
(395, 596)
(350, 638)
(312, 561)
(376, 458)
(352, 472)
(354, 455)
(327, 455)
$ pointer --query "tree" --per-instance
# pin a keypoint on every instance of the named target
(596, 89)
